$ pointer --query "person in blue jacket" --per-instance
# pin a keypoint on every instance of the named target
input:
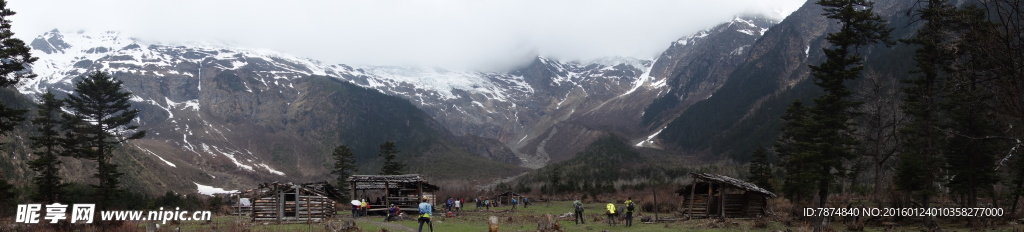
(425, 211)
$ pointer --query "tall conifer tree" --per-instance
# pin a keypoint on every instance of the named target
(794, 146)
(102, 116)
(921, 156)
(48, 147)
(972, 150)
(344, 167)
(15, 58)
(761, 170)
(833, 112)
(822, 157)
(389, 152)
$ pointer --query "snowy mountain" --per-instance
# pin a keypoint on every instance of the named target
(549, 110)
(238, 115)
(515, 107)
(743, 113)
(698, 66)
(228, 117)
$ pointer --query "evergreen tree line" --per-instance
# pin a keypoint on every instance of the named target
(607, 165)
(955, 133)
(89, 124)
(15, 57)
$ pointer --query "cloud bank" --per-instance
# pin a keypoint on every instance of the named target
(447, 33)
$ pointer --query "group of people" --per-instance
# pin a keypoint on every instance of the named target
(360, 208)
(453, 205)
(424, 208)
(610, 211)
(487, 203)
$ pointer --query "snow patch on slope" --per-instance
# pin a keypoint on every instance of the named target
(640, 81)
(210, 190)
(271, 170)
(157, 156)
(650, 139)
(443, 82)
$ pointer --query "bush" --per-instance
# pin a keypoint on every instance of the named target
(761, 222)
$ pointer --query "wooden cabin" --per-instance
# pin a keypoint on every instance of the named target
(712, 195)
(310, 202)
(505, 199)
(405, 191)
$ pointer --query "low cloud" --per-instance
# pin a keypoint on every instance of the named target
(456, 33)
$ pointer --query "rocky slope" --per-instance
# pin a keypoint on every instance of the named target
(230, 117)
(744, 112)
(548, 110)
(233, 116)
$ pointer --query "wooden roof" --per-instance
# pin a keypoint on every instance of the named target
(408, 181)
(731, 182)
(319, 188)
(508, 194)
(407, 178)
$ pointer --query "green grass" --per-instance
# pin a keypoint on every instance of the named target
(526, 219)
(520, 219)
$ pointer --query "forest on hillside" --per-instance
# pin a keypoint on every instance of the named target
(944, 133)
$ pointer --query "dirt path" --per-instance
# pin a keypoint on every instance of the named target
(391, 226)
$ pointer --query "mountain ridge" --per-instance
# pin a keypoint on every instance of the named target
(251, 115)
(256, 114)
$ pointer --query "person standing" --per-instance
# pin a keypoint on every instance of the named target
(610, 210)
(355, 209)
(425, 211)
(458, 205)
(514, 203)
(630, 207)
(577, 207)
(526, 202)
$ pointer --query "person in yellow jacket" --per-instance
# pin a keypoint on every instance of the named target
(630, 208)
(611, 214)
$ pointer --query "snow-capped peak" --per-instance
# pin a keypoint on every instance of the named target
(65, 56)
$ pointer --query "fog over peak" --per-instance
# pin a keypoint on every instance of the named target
(446, 33)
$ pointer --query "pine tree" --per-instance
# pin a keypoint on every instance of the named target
(761, 170)
(391, 167)
(15, 57)
(994, 48)
(794, 146)
(924, 139)
(48, 146)
(344, 167)
(102, 114)
(972, 150)
(833, 112)
(952, 128)
(555, 180)
(971, 158)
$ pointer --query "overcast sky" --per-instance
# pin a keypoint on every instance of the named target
(451, 33)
